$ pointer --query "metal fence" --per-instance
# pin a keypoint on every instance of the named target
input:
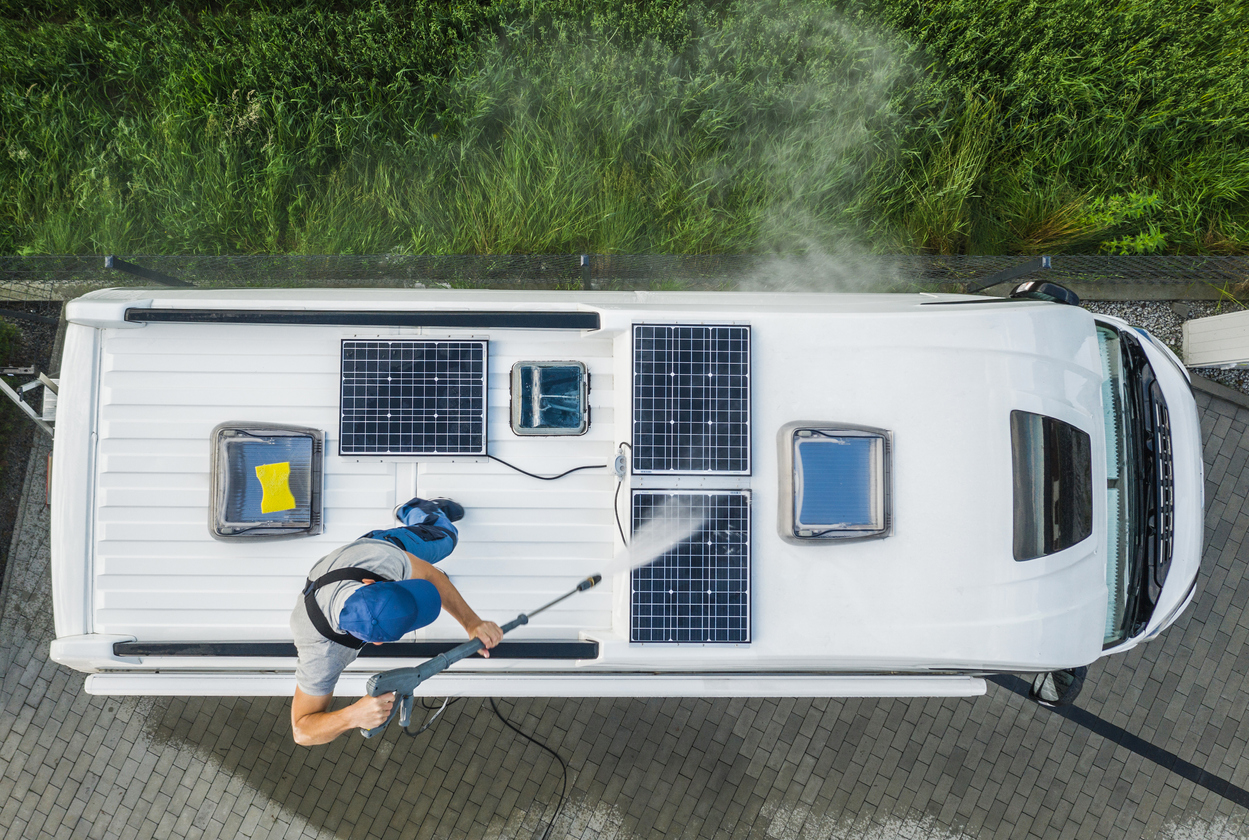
(1093, 277)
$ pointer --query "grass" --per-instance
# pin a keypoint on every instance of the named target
(567, 126)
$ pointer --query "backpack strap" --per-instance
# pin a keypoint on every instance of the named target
(318, 619)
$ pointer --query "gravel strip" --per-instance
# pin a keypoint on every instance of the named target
(1164, 318)
(33, 347)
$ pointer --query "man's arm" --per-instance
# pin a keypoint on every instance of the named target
(453, 602)
(312, 724)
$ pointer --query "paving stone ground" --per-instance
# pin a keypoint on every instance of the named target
(72, 765)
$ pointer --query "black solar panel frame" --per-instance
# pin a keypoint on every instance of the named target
(430, 385)
(680, 423)
(669, 601)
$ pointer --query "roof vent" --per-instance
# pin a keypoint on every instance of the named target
(834, 482)
(550, 398)
(266, 481)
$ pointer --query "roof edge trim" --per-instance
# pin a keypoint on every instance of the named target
(521, 320)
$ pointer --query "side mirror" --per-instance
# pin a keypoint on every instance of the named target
(1058, 688)
(1041, 290)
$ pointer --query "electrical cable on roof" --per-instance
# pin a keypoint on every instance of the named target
(615, 506)
(254, 435)
(546, 477)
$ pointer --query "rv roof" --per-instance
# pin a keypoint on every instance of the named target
(941, 373)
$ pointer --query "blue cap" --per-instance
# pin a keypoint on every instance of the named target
(384, 611)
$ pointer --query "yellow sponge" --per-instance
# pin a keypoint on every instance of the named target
(275, 481)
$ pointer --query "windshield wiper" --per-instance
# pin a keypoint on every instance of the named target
(1142, 463)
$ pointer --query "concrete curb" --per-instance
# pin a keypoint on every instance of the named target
(1146, 291)
(1214, 389)
(1111, 290)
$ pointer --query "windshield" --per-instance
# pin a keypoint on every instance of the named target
(1138, 469)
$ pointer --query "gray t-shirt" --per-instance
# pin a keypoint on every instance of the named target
(320, 660)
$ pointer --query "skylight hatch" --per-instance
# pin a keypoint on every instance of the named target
(550, 398)
(834, 482)
(266, 481)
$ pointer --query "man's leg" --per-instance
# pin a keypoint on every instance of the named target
(409, 509)
(427, 535)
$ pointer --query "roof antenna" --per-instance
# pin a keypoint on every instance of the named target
(146, 273)
(1009, 274)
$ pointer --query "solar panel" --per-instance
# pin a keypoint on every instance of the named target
(691, 399)
(699, 590)
(413, 398)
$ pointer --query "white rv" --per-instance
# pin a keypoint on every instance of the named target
(891, 495)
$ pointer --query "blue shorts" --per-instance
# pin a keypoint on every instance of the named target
(429, 536)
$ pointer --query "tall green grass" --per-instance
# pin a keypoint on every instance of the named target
(579, 125)
(1131, 114)
(539, 140)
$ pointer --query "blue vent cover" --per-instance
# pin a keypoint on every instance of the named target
(236, 493)
(243, 490)
(835, 482)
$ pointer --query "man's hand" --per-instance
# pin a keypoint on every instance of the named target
(372, 712)
(489, 633)
(313, 723)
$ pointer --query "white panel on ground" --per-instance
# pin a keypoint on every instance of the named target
(1217, 341)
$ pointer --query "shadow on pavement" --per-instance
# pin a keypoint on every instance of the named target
(1117, 734)
(466, 769)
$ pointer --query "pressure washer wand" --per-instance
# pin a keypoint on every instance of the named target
(403, 681)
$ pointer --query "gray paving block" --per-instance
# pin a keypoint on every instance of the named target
(992, 766)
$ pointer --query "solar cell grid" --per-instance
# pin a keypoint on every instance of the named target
(698, 591)
(691, 399)
(413, 398)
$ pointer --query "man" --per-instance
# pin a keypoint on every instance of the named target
(374, 590)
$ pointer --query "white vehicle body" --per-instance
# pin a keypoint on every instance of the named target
(926, 610)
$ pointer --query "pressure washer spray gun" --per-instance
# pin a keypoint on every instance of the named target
(403, 681)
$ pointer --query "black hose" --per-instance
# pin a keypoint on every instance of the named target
(429, 721)
(559, 806)
(564, 767)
